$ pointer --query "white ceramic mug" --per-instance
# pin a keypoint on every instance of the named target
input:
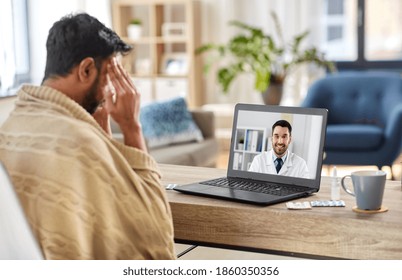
(368, 188)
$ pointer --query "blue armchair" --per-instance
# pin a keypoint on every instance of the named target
(365, 117)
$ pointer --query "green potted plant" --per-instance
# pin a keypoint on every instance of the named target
(134, 29)
(257, 53)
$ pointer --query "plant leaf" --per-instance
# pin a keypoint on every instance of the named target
(227, 74)
(297, 40)
(262, 78)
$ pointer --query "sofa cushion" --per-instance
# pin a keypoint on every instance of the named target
(168, 122)
(353, 137)
(203, 153)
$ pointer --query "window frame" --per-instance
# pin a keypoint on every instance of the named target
(361, 62)
(20, 78)
(25, 77)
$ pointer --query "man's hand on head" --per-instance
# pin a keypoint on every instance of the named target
(122, 102)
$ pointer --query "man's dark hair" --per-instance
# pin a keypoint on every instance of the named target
(283, 123)
(75, 37)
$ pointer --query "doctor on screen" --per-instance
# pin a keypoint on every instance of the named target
(279, 160)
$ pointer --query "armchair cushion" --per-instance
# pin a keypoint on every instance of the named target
(168, 122)
(354, 136)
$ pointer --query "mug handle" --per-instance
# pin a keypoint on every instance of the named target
(345, 187)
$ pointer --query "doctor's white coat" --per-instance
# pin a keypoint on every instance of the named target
(294, 165)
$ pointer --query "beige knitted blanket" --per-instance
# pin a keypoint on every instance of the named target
(86, 196)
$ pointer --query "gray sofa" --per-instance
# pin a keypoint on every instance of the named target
(191, 153)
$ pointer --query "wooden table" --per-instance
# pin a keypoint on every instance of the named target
(323, 232)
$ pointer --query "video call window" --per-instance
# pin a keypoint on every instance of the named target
(253, 136)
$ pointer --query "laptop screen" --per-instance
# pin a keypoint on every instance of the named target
(264, 135)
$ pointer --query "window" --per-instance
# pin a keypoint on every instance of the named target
(362, 34)
(335, 7)
(335, 33)
(383, 34)
(14, 47)
(339, 27)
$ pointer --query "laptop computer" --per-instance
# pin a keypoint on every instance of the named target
(251, 174)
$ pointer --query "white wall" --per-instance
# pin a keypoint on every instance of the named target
(43, 13)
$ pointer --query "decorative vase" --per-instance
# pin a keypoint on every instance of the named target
(134, 31)
(273, 94)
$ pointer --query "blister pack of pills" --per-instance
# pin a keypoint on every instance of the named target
(298, 205)
(327, 203)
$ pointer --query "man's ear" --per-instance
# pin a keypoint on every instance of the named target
(87, 70)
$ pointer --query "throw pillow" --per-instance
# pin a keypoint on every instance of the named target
(168, 122)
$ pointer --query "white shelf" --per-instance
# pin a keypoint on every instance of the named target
(254, 143)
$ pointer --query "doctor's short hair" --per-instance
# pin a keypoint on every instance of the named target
(282, 123)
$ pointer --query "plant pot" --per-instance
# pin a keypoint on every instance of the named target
(134, 31)
(273, 94)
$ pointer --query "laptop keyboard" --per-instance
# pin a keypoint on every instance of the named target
(255, 186)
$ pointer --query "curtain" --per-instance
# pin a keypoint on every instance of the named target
(7, 56)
